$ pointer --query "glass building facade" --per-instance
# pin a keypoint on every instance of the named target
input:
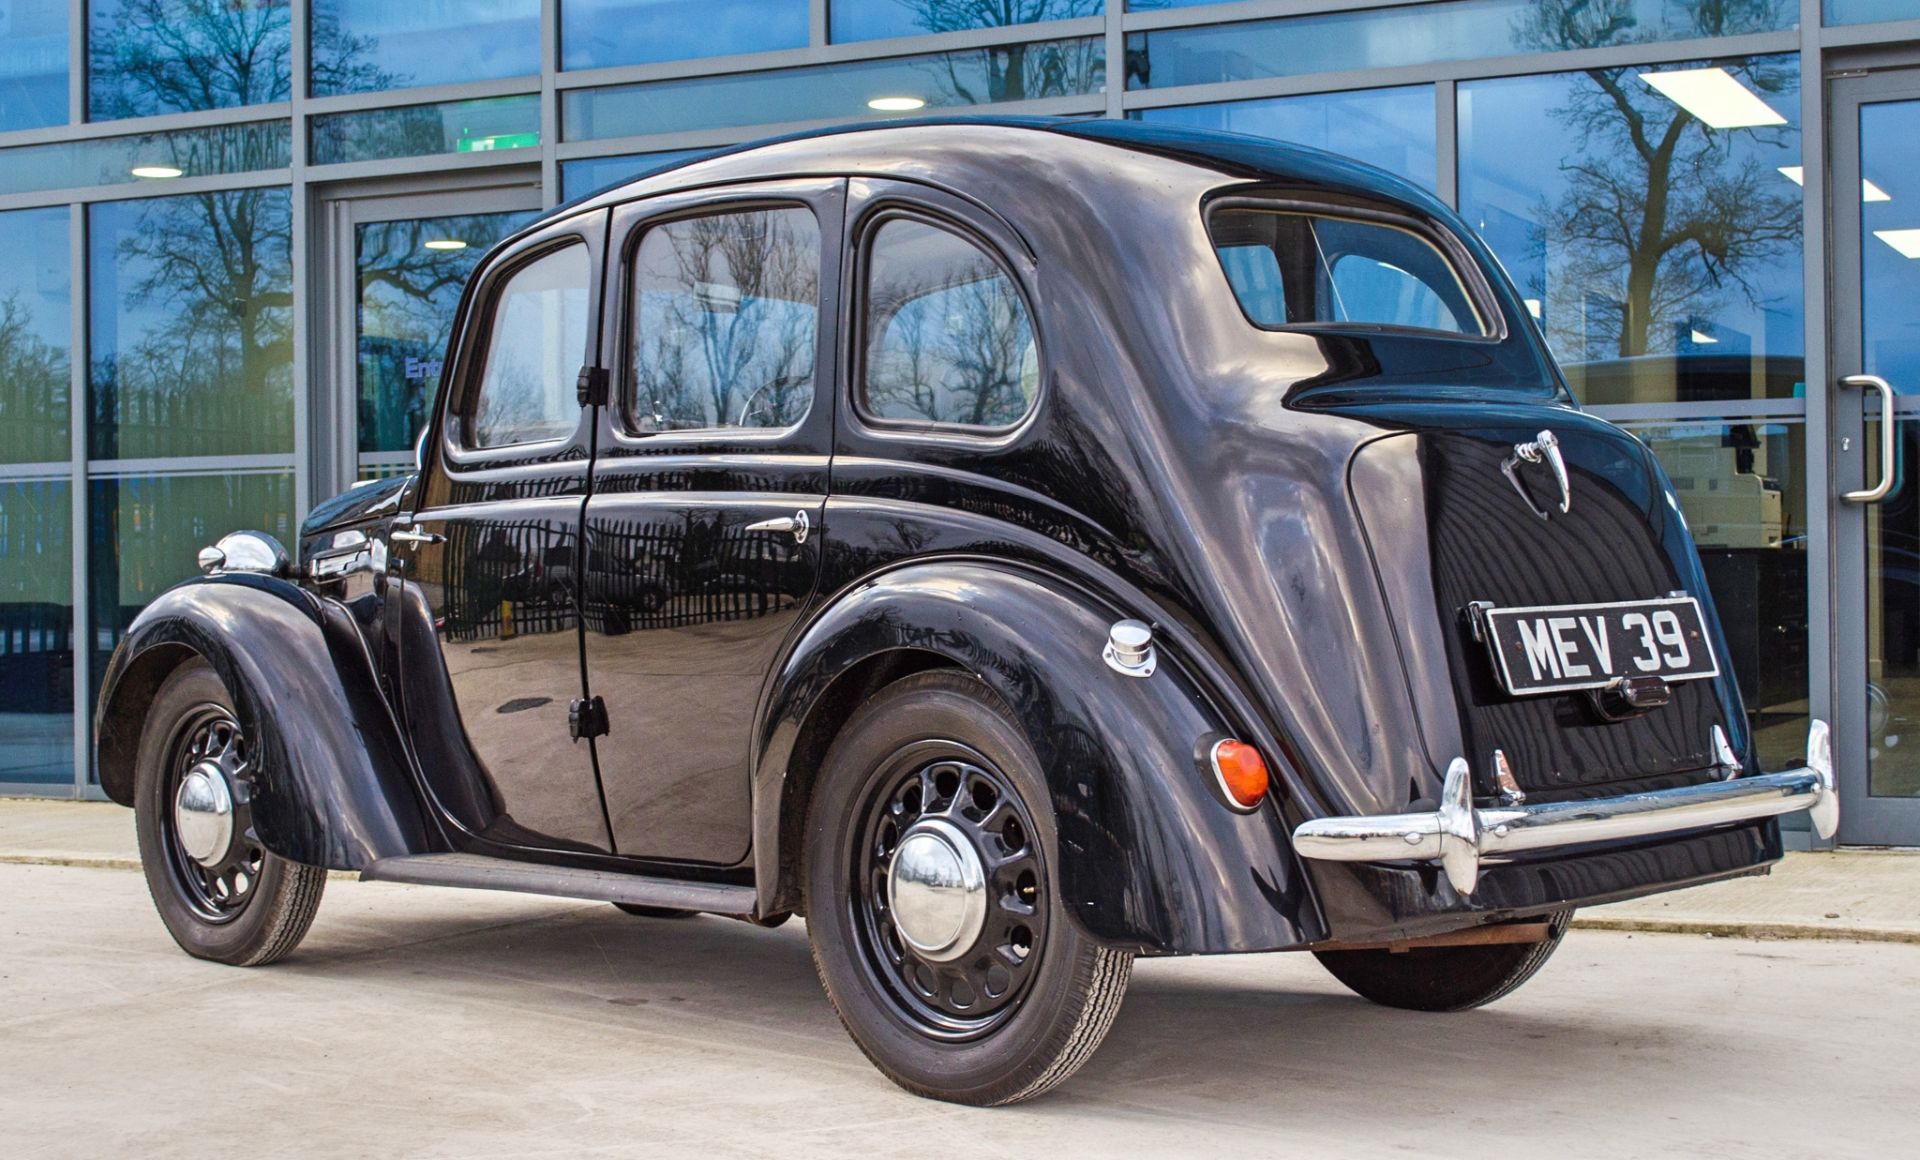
(236, 231)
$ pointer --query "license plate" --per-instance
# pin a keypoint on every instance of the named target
(1557, 648)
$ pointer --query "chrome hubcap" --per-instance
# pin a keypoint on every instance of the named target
(203, 814)
(937, 891)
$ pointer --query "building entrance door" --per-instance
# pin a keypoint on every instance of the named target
(397, 264)
(1876, 435)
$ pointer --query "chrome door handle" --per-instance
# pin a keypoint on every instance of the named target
(410, 536)
(797, 523)
(1878, 491)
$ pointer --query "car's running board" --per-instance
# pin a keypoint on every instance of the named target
(478, 872)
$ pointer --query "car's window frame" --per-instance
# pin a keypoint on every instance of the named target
(895, 207)
(1472, 279)
(466, 364)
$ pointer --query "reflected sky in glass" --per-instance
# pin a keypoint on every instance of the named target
(873, 19)
(157, 157)
(36, 631)
(1661, 258)
(36, 295)
(1863, 11)
(1890, 245)
(191, 325)
(588, 174)
(600, 33)
(33, 66)
(363, 46)
(482, 126)
(176, 56)
(1390, 128)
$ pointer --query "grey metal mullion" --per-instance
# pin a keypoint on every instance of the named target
(76, 67)
(79, 408)
(143, 126)
(818, 32)
(301, 259)
(520, 86)
(1851, 35)
(1618, 56)
(1446, 142)
(1734, 410)
(731, 135)
(1244, 10)
(1822, 581)
(1116, 53)
(429, 163)
(191, 465)
(549, 102)
(848, 53)
(136, 190)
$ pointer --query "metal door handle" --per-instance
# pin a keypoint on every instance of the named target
(1878, 491)
(797, 523)
(409, 536)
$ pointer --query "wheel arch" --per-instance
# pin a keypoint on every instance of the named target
(334, 786)
(1148, 861)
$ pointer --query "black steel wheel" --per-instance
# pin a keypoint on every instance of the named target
(932, 906)
(220, 893)
(1444, 978)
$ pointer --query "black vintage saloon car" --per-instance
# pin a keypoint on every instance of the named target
(1016, 546)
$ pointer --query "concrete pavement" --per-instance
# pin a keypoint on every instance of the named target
(423, 1022)
(1852, 894)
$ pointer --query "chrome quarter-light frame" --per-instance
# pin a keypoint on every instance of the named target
(1462, 838)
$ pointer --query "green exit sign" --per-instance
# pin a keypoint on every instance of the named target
(499, 141)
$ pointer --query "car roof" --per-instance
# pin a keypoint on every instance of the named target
(1236, 155)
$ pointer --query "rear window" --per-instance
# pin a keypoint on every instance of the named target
(1291, 269)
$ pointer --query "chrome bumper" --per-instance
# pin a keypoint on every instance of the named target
(1462, 838)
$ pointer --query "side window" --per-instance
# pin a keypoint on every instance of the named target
(534, 352)
(948, 338)
(726, 315)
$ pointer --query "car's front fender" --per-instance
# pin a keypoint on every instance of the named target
(1147, 857)
(331, 784)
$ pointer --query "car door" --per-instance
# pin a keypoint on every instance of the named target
(490, 645)
(703, 533)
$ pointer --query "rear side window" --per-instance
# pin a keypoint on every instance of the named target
(1299, 269)
(948, 336)
(726, 315)
(535, 348)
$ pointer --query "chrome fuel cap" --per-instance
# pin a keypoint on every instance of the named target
(203, 814)
(937, 891)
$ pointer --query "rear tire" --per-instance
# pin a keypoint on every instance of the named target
(1017, 998)
(1443, 978)
(235, 903)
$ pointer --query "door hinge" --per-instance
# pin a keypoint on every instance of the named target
(591, 388)
(587, 717)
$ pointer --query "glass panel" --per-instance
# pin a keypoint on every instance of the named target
(1425, 33)
(948, 336)
(1890, 345)
(591, 174)
(1291, 269)
(534, 353)
(599, 33)
(36, 631)
(1390, 128)
(191, 325)
(364, 46)
(144, 531)
(1742, 487)
(409, 276)
(873, 19)
(33, 64)
(1863, 11)
(36, 297)
(175, 56)
(419, 130)
(1660, 255)
(157, 157)
(728, 306)
(1008, 72)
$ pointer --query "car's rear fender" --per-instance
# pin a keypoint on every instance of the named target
(331, 786)
(1148, 858)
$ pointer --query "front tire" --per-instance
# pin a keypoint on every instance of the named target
(220, 894)
(932, 903)
(1444, 978)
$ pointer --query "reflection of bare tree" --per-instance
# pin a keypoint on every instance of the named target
(1011, 72)
(949, 340)
(1658, 211)
(166, 56)
(33, 389)
(727, 316)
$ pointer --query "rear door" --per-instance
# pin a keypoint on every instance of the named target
(703, 533)
(490, 644)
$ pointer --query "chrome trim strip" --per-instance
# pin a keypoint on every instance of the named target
(1462, 838)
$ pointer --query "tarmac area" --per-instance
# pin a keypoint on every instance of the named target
(417, 1021)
